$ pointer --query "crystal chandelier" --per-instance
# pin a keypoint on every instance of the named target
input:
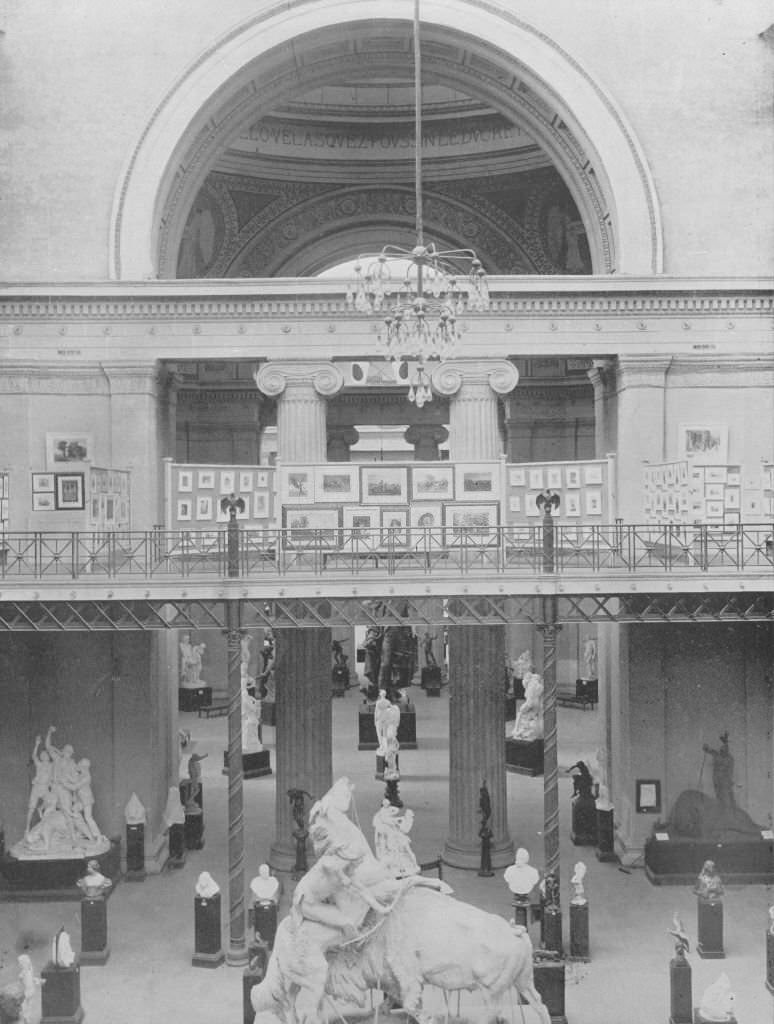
(422, 290)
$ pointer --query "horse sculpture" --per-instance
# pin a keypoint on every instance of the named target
(353, 927)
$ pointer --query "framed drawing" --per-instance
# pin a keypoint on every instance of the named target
(703, 443)
(432, 484)
(185, 481)
(69, 491)
(297, 485)
(68, 449)
(337, 483)
(530, 503)
(648, 796)
(476, 483)
(42, 501)
(245, 480)
(572, 505)
(670, 474)
(514, 503)
(262, 478)
(554, 477)
(425, 517)
(384, 485)
(733, 498)
(475, 523)
(714, 509)
(184, 510)
(593, 503)
(311, 526)
(41, 482)
(592, 474)
(260, 504)
(536, 479)
(361, 525)
(206, 479)
(714, 492)
(227, 481)
(517, 478)
(682, 472)
(573, 476)
(204, 507)
(394, 527)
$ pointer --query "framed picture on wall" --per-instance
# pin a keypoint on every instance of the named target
(476, 483)
(530, 503)
(474, 523)
(41, 482)
(262, 478)
(554, 477)
(394, 527)
(648, 796)
(361, 525)
(432, 483)
(702, 442)
(573, 476)
(384, 485)
(185, 481)
(425, 517)
(594, 503)
(536, 479)
(311, 526)
(206, 479)
(297, 485)
(227, 481)
(572, 505)
(337, 483)
(517, 477)
(44, 501)
(592, 475)
(69, 491)
(260, 504)
(68, 449)
(204, 507)
(245, 480)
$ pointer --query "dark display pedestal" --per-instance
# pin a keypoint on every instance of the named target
(207, 946)
(53, 880)
(194, 698)
(254, 765)
(193, 830)
(176, 846)
(265, 921)
(510, 709)
(584, 821)
(60, 995)
(520, 909)
(381, 764)
(579, 932)
(366, 729)
(549, 981)
(339, 681)
(709, 932)
(269, 712)
(94, 930)
(252, 975)
(587, 689)
(431, 680)
(678, 860)
(606, 836)
(135, 853)
(551, 930)
(525, 757)
(680, 991)
(770, 961)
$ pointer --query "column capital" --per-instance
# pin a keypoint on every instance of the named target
(448, 378)
(600, 372)
(274, 377)
(643, 371)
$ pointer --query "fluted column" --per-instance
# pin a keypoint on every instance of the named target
(300, 389)
(602, 377)
(303, 717)
(476, 653)
(474, 386)
(425, 437)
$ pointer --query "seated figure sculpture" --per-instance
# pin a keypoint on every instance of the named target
(529, 721)
(354, 927)
(391, 840)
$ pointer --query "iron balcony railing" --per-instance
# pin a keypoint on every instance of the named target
(518, 551)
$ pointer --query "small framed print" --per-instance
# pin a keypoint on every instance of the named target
(670, 474)
(261, 478)
(572, 505)
(703, 443)
(43, 501)
(536, 479)
(297, 485)
(185, 481)
(714, 509)
(432, 483)
(110, 510)
(94, 509)
(554, 477)
(206, 479)
(648, 796)
(308, 526)
(384, 485)
(260, 504)
(514, 503)
(204, 507)
(337, 482)
(425, 517)
(361, 525)
(753, 503)
(572, 476)
(227, 481)
(394, 530)
(476, 483)
(41, 482)
(517, 478)
(71, 449)
(734, 478)
(245, 480)
(682, 472)
(714, 492)
(69, 491)
(592, 475)
(530, 503)
(593, 503)
(475, 523)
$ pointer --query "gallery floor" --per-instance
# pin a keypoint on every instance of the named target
(149, 978)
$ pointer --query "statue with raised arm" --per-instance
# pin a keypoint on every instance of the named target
(529, 721)
(722, 773)
(190, 662)
(42, 783)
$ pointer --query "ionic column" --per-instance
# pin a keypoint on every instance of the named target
(340, 441)
(602, 377)
(474, 430)
(425, 437)
(300, 389)
(476, 653)
(303, 718)
(641, 402)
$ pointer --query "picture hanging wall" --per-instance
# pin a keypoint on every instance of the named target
(582, 487)
(688, 492)
(194, 494)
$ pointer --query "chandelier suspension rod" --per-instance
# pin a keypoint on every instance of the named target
(418, 130)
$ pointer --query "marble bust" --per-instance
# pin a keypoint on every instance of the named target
(709, 885)
(265, 887)
(521, 878)
(579, 893)
(93, 883)
(717, 1003)
(206, 886)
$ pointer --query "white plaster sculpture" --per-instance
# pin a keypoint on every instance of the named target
(265, 887)
(93, 883)
(590, 670)
(521, 877)
(354, 927)
(603, 801)
(579, 893)
(206, 886)
(529, 720)
(771, 919)
(717, 1003)
(62, 954)
(391, 840)
(190, 663)
(134, 812)
(598, 766)
(523, 665)
(174, 812)
(251, 723)
(386, 720)
(60, 823)
(29, 986)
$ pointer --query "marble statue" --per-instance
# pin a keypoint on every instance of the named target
(603, 801)
(679, 934)
(134, 812)
(251, 723)
(590, 670)
(717, 1003)
(191, 663)
(521, 877)
(386, 722)
(579, 893)
(771, 920)
(206, 886)
(265, 887)
(266, 681)
(62, 954)
(599, 767)
(174, 812)
(354, 927)
(60, 823)
(93, 883)
(523, 665)
(427, 650)
(709, 884)
(722, 773)
(29, 986)
(529, 720)
(391, 840)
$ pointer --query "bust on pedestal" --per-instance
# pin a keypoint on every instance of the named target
(94, 926)
(207, 943)
(579, 915)
(61, 977)
(265, 892)
(135, 818)
(709, 907)
(521, 878)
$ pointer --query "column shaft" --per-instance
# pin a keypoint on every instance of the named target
(301, 427)
(473, 427)
(237, 946)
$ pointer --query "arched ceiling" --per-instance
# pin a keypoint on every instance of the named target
(314, 163)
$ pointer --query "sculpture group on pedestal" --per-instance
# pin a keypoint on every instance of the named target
(391, 840)
(60, 823)
(191, 663)
(529, 720)
(354, 927)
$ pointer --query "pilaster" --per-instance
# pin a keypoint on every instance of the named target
(300, 389)
(641, 416)
(602, 377)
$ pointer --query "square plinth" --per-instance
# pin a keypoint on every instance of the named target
(549, 981)
(193, 698)
(254, 764)
(269, 712)
(60, 996)
(525, 757)
(431, 680)
(407, 729)
(677, 860)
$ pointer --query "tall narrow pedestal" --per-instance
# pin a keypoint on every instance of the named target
(94, 930)
(549, 981)
(60, 995)
(605, 836)
(584, 821)
(709, 937)
(579, 931)
(135, 853)
(680, 991)
(265, 921)
(770, 961)
(176, 846)
(208, 950)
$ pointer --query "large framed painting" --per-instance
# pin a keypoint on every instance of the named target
(297, 485)
(477, 483)
(66, 450)
(307, 527)
(432, 483)
(703, 443)
(384, 485)
(473, 523)
(337, 482)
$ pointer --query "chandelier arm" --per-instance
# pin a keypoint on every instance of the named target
(418, 129)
